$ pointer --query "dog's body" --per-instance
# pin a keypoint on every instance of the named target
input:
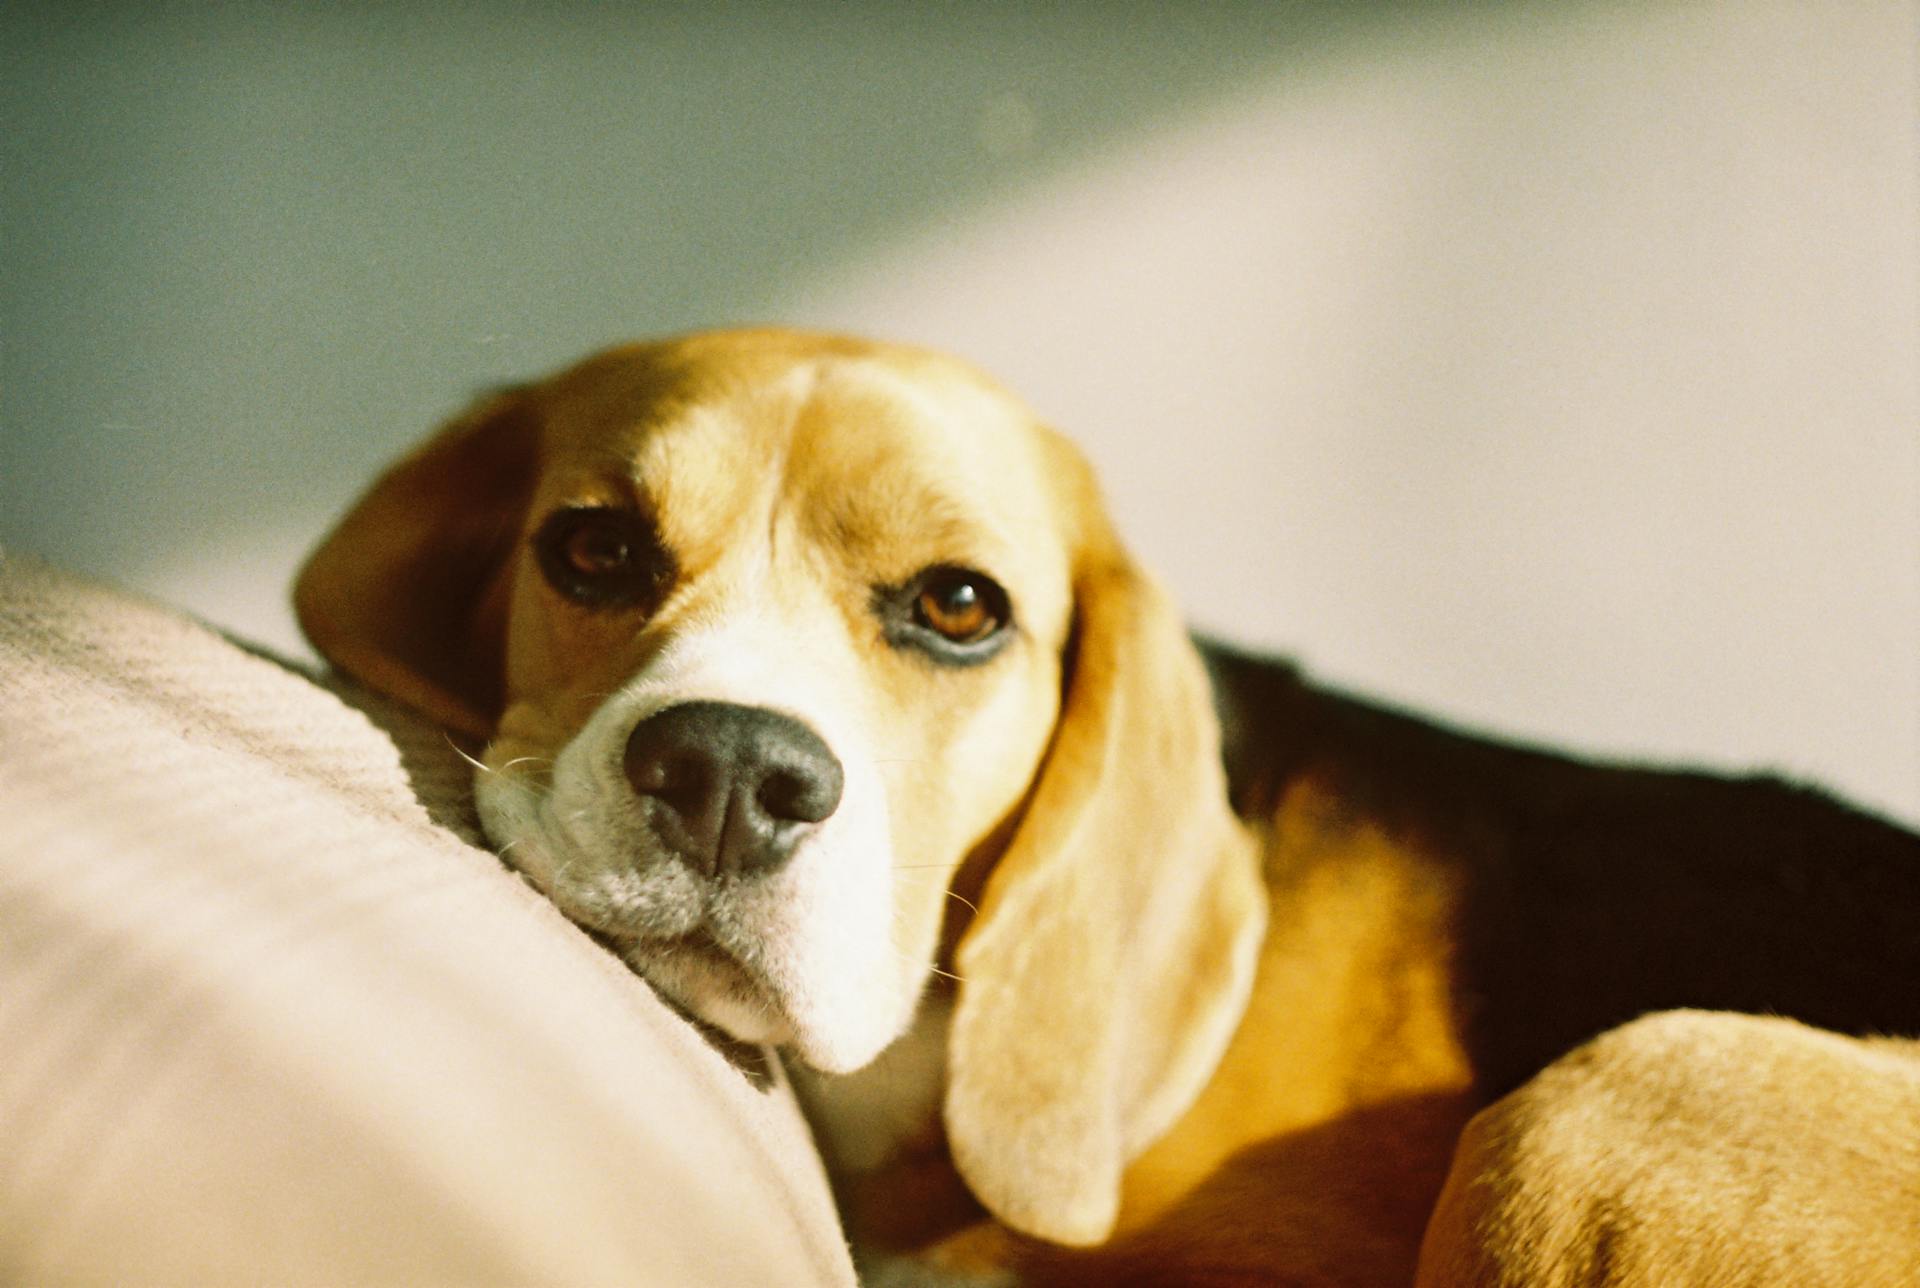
(811, 678)
(1449, 916)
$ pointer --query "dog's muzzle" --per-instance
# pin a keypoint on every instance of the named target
(731, 789)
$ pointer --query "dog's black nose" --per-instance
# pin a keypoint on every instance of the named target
(730, 788)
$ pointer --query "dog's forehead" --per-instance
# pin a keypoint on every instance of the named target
(881, 457)
(894, 454)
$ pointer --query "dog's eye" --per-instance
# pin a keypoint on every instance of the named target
(596, 550)
(955, 614)
(601, 556)
(955, 605)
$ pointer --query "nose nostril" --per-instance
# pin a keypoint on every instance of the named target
(790, 797)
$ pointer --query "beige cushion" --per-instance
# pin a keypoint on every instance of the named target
(266, 1016)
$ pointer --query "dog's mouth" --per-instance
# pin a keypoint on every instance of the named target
(701, 976)
(685, 938)
(697, 947)
(750, 955)
(746, 1055)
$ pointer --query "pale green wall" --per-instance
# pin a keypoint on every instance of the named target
(252, 249)
(1554, 364)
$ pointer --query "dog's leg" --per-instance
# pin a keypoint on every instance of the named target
(1692, 1147)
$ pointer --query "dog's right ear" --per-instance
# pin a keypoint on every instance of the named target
(408, 593)
(1113, 950)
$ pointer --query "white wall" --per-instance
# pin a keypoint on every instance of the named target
(1552, 366)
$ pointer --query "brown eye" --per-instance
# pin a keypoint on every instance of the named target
(596, 550)
(953, 615)
(955, 607)
(602, 556)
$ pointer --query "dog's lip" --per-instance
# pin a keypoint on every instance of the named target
(698, 943)
(666, 960)
(627, 942)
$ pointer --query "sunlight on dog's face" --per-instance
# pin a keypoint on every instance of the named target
(784, 631)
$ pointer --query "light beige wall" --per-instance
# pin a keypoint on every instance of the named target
(1553, 366)
(1554, 370)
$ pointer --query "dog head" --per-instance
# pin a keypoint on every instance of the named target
(765, 635)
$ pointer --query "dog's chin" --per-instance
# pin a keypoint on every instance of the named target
(697, 976)
(748, 969)
(713, 987)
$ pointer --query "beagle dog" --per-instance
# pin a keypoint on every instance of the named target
(808, 675)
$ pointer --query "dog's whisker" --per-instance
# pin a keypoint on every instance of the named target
(477, 764)
(912, 960)
(909, 867)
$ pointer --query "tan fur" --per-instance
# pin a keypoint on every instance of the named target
(1220, 1052)
(1693, 1148)
(1129, 878)
(805, 471)
(1325, 1127)
(738, 406)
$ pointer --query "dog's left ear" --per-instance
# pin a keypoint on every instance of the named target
(1117, 937)
(408, 593)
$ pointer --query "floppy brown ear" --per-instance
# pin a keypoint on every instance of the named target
(1116, 941)
(407, 594)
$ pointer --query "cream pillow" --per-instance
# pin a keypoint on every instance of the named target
(267, 1015)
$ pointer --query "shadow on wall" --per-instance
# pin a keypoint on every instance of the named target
(254, 250)
(1552, 364)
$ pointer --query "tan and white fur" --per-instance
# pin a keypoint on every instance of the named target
(1063, 1014)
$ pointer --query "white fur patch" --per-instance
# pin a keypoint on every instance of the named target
(803, 955)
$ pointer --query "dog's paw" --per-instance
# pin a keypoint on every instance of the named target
(1691, 1148)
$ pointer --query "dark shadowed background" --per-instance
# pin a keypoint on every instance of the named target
(1552, 365)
